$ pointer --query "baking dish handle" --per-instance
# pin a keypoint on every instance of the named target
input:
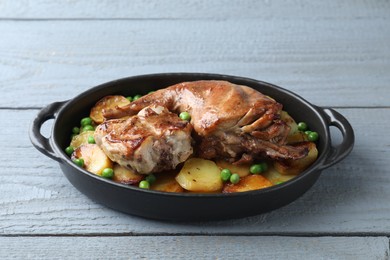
(40, 142)
(340, 151)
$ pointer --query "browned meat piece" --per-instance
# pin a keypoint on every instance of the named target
(151, 141)
(230, 121)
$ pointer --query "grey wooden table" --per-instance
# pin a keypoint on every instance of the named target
(333, 53)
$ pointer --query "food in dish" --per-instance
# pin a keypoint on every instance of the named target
(151, 141)
(209, 136)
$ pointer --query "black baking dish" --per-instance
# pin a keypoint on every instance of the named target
(187, 206)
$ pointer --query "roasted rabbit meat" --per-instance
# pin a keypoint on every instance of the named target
(229, 121)
(151, 141)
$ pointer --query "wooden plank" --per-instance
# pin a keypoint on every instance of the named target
(198, 247)
(190, 9)
(349, 198)
(346, 61)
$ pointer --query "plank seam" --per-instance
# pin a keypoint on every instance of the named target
(322, 234)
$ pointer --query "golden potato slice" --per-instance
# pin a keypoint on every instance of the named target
(166, 182)
(242, 170)
(95, 160)
(81, 139)
(290, 166)
(289, 121)
(126, 176)
(276, 177)
(108, 102)
(247, 183)
(200, 175)
(297, 137)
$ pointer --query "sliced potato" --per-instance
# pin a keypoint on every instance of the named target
(200, 175)
(276, 177)
(297, 166)
(106, 103)
(290, 122)
(126, 176)
(95, 160)
(166, 182)
(297, 137)
(242, 170)
(81, 139)
(247, 183)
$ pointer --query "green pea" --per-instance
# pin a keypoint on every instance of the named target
(226, 174)
(264, 166)
(144, 185)
(302, 126)
(76, 130)
(150, 178)
(129, 98)
(91, 140)
(79, 162)
(185, 116)
(136, 97)
(69, 150)
(88, 128)
(86, 121)
(235, 178)
(312, 136)
(256, 169)
(108, 173)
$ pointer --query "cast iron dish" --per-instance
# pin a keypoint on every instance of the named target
(187, 206)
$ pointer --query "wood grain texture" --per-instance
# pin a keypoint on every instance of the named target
(331, 53)
(349, 198)
(337, 62)
(190, 9)
(198, 247)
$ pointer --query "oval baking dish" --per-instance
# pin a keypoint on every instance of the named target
(187, 206)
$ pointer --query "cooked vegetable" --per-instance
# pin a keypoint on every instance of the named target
(166, 182)
(86, 121)
(130, 98)
(76, 130)
(185, 116)
(108, 173)
(81, 139)
(87, 128)
(302, 126)
(95, 160)
(69, 150)
(297, 166)
(297, 137)
(312, 136)
(79, 162)
(235, 178)
(136, 97)
(226, 174)
(91, 140)
(242, 169)
(258, 168)
(144, 185)
(106, 103)
(126, 176)
(200, 175)
(276, 177)
(289, 121)
(150, 178)
(247, 183)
